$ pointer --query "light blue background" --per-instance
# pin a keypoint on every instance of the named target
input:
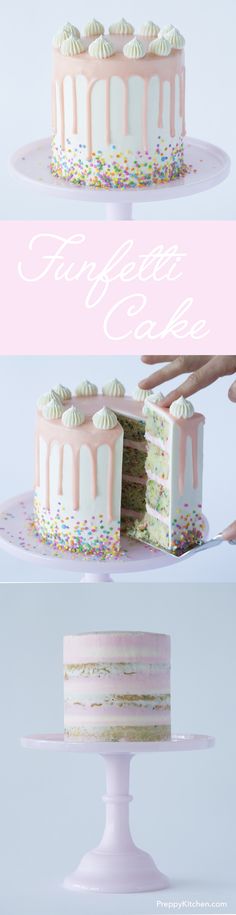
(184, 807)
(23, 379)
(209, 28)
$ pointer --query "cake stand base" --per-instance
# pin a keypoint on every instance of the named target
(117, 865)
(209, 165)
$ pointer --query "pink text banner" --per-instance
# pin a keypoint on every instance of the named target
(125, 287)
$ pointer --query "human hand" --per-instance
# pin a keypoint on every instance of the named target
(204, 370)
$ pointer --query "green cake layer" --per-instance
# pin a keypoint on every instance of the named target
(134, 462)
(157, 462)
(158, 497)
(133, 496)
(134, 429)
(157, 426)
(151, 530)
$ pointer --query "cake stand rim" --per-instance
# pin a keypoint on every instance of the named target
(177, 742)
(180, 187)
(148, 558)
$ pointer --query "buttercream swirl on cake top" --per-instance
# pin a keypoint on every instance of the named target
(167, 28)
(86, 389)
(160, 46)
(114, 388)
(53, 409)
(66, 32)
(94, 27)
(72, 418)
(150, 29)
(101, 48)
(43, 400)
(105, 419)
(72, 46)
(181, 408)
(134, 49)
(176, 40)
(121, 28)
(154, 398)
(140, 394)
(63, 392)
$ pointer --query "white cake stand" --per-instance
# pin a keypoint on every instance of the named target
(210, 165)
(117, 865)
(18, 537)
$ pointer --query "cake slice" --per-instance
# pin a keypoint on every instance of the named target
(173, 518)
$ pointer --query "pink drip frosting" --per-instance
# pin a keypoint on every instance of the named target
(166, 68)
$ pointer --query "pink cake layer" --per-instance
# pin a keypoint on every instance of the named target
(131, 715)
(112, 647)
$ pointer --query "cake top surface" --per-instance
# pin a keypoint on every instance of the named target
(121, 39)
(116, 646)
(61, 407)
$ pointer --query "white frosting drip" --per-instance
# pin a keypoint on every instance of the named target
(176, 40)
(181, 408)
(134, 49)
(63, 393)
(140, 394)
(72, 46)
(150, 29)
(114, 388)
(86, 389)
(43, 400)
(66, 32)
(105, 419)
(160, 46)
(94, 27)
(121, 28)
(101, 48)
(72, 418)
(53, 409)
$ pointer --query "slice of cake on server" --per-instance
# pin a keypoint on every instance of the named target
(174, 465)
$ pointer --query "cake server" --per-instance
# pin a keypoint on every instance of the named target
(228, 535)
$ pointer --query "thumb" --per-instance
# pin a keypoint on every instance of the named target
(232, 392)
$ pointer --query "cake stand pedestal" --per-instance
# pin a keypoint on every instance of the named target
(117, 865)
(209, 166)
(18, 537)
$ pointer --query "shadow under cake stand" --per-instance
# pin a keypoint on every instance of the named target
(18, 537)
(117, 865)
(209, 164)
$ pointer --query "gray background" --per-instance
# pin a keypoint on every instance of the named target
(209, 28)
(25, 378)
(184, 807)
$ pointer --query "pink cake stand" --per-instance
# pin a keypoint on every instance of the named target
(117, 865)
(209, 166)
(18, 537)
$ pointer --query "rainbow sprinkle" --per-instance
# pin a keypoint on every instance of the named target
(92, 538)
(119, 169)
